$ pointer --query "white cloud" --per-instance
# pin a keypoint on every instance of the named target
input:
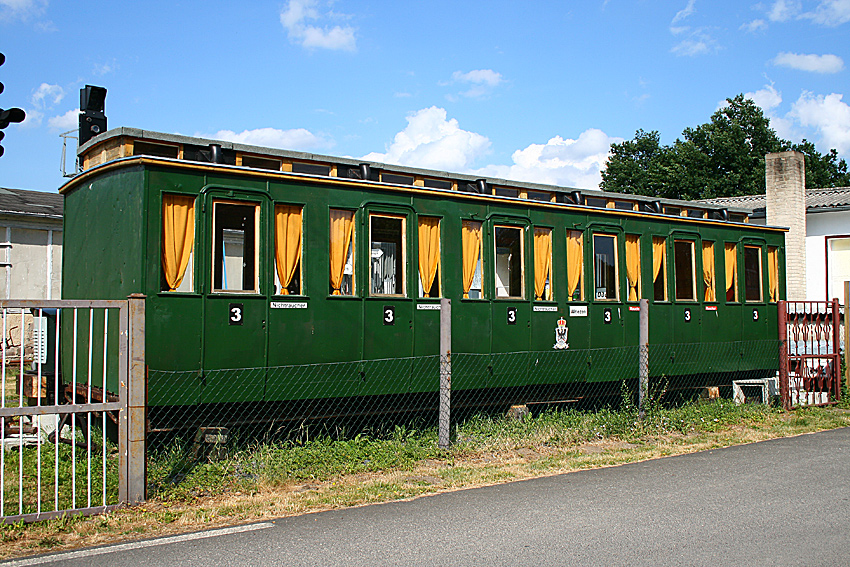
(830, 117)
(814, 63)
(481, 81)
(560, 161)
(21, 9)
(101, 69)
(685, 12)
(783, 10)
(47, 95)
(433, 142)
(830, 13)
(698, 44)
(295, 18)
(294, 139)
(755, 26)
(65, 122)
(769, 99)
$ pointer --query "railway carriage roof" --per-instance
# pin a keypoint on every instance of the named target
(123, 143)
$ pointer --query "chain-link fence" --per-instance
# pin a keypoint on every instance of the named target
(209, 414)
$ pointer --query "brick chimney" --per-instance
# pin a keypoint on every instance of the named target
(785, 179)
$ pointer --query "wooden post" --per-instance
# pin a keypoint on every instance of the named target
(445, 371)
(643, 356)
(136, 403)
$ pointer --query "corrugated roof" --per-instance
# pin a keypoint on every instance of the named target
(827, 198)
(32, 203)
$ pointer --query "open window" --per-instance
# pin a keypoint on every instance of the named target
(543, 264)
(659, 268)
(575, 263)
(341, 258)
(509, 262)
(429, 257)
(752, 274)
(471, 239)
(178, 243)
(605, 276)
(387, 255)
(288, 230)
(236, 248)
(685, 270)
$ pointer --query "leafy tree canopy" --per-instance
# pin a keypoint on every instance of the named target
(722, 158)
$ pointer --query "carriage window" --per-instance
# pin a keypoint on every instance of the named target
(178, 239)
(659, 268)
(287, 249)
(341, 252)
(752, 273)
(387, 262)
(429, 257)
(731, 256)
(509, 276)
(708, 271)
(235, 247)
(543, 264)
(633, 266)
(684, 266)
(471, 238)
(575, 261)
(605, 266)
(773, 272)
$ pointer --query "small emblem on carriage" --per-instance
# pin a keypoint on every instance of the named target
(561, 332)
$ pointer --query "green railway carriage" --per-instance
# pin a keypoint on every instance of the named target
(255, 259)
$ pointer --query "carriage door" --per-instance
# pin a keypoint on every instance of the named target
(235, 303)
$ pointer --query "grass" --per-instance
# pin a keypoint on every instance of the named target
(268, 480)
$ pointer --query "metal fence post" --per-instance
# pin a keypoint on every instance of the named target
(445, 371)
(136, 402)
(836, 348)
(784, 385)
(847, 334)
(643, 355)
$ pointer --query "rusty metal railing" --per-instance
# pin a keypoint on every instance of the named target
(810, 359)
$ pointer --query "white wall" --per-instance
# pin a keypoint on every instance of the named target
(818, 226)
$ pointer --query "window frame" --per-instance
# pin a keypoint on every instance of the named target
(403, 245)
(663, 272)
(300, 273)
(581, 266)
(213, 250)
(616, 297)
(479, 263)
(761, 273)
(521, 239)
(352, 245)
(438, 277)
(190, 286)
(693, 271)
(549, 289)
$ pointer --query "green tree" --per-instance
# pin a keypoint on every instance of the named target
(722, 158)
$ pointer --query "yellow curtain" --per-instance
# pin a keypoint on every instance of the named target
(773, 272)
(633, 265)
(471, 241)
(542, 263)
(659, 248)
(731, 271)
(575, 256)
(342, 229)
(708, 271)
(178, 236)
(429, 251)
(287, 243)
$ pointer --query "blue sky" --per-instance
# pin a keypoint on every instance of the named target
(534, 91)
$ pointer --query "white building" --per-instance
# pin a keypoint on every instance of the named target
(30, 255)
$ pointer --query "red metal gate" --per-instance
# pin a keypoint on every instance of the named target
(810, 359)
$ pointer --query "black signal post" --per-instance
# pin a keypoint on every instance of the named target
(8, 116)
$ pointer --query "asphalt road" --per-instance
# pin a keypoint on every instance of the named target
(781, 502)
